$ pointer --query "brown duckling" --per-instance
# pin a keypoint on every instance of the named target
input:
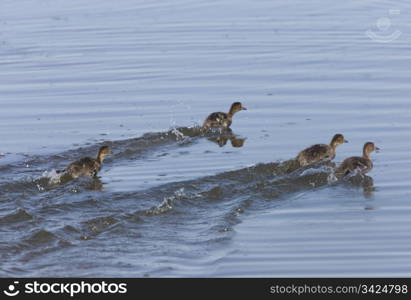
(319, 152)
(362, 163)
(223, 120)
(88, 166)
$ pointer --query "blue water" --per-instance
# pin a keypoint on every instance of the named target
(173, 202)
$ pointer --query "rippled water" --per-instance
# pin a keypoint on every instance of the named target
(171, 200)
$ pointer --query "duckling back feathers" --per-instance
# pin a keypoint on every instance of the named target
(319, 152)
(362, 163)
(315, 153)
(88, 166)
(218, 119)
(224, 120)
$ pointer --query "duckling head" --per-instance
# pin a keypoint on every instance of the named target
(102, 153)
(236, 107)
(337, 140)
(368, 148)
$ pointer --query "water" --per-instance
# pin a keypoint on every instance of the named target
(172, 201)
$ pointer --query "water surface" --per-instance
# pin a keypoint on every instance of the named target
(171, 200)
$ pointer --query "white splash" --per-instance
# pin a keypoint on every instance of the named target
(178, 134)
(332, 177)
(53, 176)
(311, 171)
(357, 172)
(167, 203)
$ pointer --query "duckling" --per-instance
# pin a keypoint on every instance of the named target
(223, 120)
(319, 152)
(88, 166)
(363, 163)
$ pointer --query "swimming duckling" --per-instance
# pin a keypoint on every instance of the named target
(363, 163)
(319, 152)
(223, 120)
(88, 166)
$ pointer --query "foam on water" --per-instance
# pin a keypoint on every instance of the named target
(53, 176)
(140, 77)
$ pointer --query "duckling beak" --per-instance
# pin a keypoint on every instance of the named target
(244, 108)
(345, 141)
(377, 149)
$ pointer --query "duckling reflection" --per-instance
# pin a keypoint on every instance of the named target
(86, 166)
(237, 143)
(365, 182)
(320, 152)
(222, 139)
(362, 164)
(221, 119)
(95, 184)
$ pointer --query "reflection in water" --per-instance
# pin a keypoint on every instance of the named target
(221, 138)
(363, 181)
(222, 141)
(88, 183)
(95, 184)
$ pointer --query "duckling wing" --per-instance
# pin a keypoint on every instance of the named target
(217, 119)
(353, 163)
(314, 153)
(84, 167)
